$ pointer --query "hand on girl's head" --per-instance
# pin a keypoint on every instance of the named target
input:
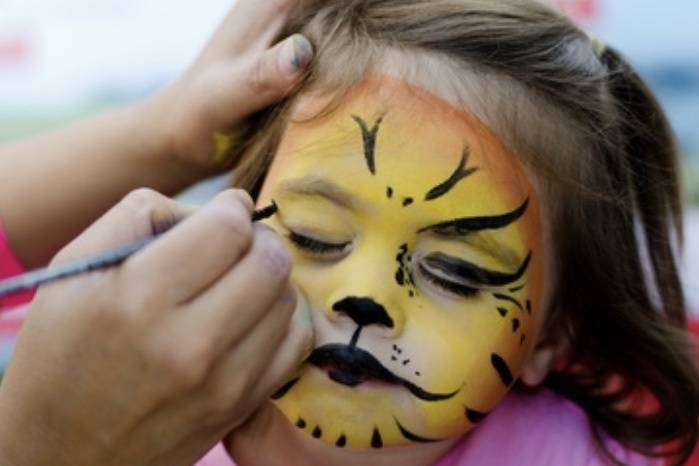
(236, 75)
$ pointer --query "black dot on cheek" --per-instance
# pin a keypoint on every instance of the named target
(417, 373)
(407, 201)
(400, 277)
(376, 440)
(301, 423)
(411, 293)
(317, 433)
(389, 192)
(341, 441)
(515, 325)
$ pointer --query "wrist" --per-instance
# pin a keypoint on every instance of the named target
(150, 123)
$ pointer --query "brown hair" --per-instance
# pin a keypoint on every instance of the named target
(602, 149)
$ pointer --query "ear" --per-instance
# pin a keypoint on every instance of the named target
(543, 358)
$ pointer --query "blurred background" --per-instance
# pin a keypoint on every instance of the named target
(63, 59)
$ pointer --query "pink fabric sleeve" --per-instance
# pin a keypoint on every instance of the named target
(11, 266)
(218, 456)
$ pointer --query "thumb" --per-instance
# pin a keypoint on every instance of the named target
(263, 79)
(276, 70)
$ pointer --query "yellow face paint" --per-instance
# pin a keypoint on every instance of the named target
(416, 237)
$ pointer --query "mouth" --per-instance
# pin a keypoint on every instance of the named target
(352, 366)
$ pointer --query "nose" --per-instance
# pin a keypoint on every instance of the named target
(363, 311)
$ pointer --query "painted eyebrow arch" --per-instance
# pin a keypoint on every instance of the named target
(316, 186)
(459, 174)
(453, 266)
(465, 225)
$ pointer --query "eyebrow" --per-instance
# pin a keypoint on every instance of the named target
(312, 185)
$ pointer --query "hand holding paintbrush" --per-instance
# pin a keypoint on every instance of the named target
(198, 322)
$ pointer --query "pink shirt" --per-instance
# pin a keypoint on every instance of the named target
(540, 429)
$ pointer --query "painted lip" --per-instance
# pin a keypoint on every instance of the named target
(352, 366)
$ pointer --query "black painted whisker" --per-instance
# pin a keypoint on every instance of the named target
(510, 299)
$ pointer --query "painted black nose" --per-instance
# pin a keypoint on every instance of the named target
(364, 311)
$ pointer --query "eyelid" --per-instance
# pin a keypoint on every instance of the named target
(459, 268)
(460, 289)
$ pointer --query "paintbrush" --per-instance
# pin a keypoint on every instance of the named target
(103, 260)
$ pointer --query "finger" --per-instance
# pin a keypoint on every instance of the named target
(294, 348)
(237, 374)
(140, 214)
(240, 298)
(250, 85)
(246, 23)
(191, 256)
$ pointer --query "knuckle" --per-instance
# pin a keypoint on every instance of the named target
(276, 8)
(142, 197)
(236, 223)
(261, 77)
(182, 367)
(227, 395)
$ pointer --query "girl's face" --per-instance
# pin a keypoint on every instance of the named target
(417, 239)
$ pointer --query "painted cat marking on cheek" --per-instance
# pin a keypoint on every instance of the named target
(502, 369)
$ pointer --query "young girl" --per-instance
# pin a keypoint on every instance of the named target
(483, 210)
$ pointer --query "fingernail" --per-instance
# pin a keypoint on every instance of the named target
(296, 54)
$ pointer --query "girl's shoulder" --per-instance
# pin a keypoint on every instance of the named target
(537, 428)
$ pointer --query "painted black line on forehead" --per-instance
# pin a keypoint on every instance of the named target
(369, 137)
(465, 225)
(459, 174)
(458, 268)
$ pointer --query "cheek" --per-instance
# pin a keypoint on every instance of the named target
(463, 349)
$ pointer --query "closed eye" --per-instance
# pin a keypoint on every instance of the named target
(460, 289)
(315, 246)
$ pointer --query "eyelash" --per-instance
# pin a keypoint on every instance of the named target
(447, 285)
(313, 245)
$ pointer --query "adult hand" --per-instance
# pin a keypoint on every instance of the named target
(152, 362)
(236, 75)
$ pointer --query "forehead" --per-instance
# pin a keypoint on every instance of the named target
(416, 141)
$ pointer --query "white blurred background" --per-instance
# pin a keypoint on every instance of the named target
(62, 59)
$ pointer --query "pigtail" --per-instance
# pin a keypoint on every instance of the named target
(654, 360)
(651, 155)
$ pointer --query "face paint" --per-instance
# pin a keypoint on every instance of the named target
(416, 237)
